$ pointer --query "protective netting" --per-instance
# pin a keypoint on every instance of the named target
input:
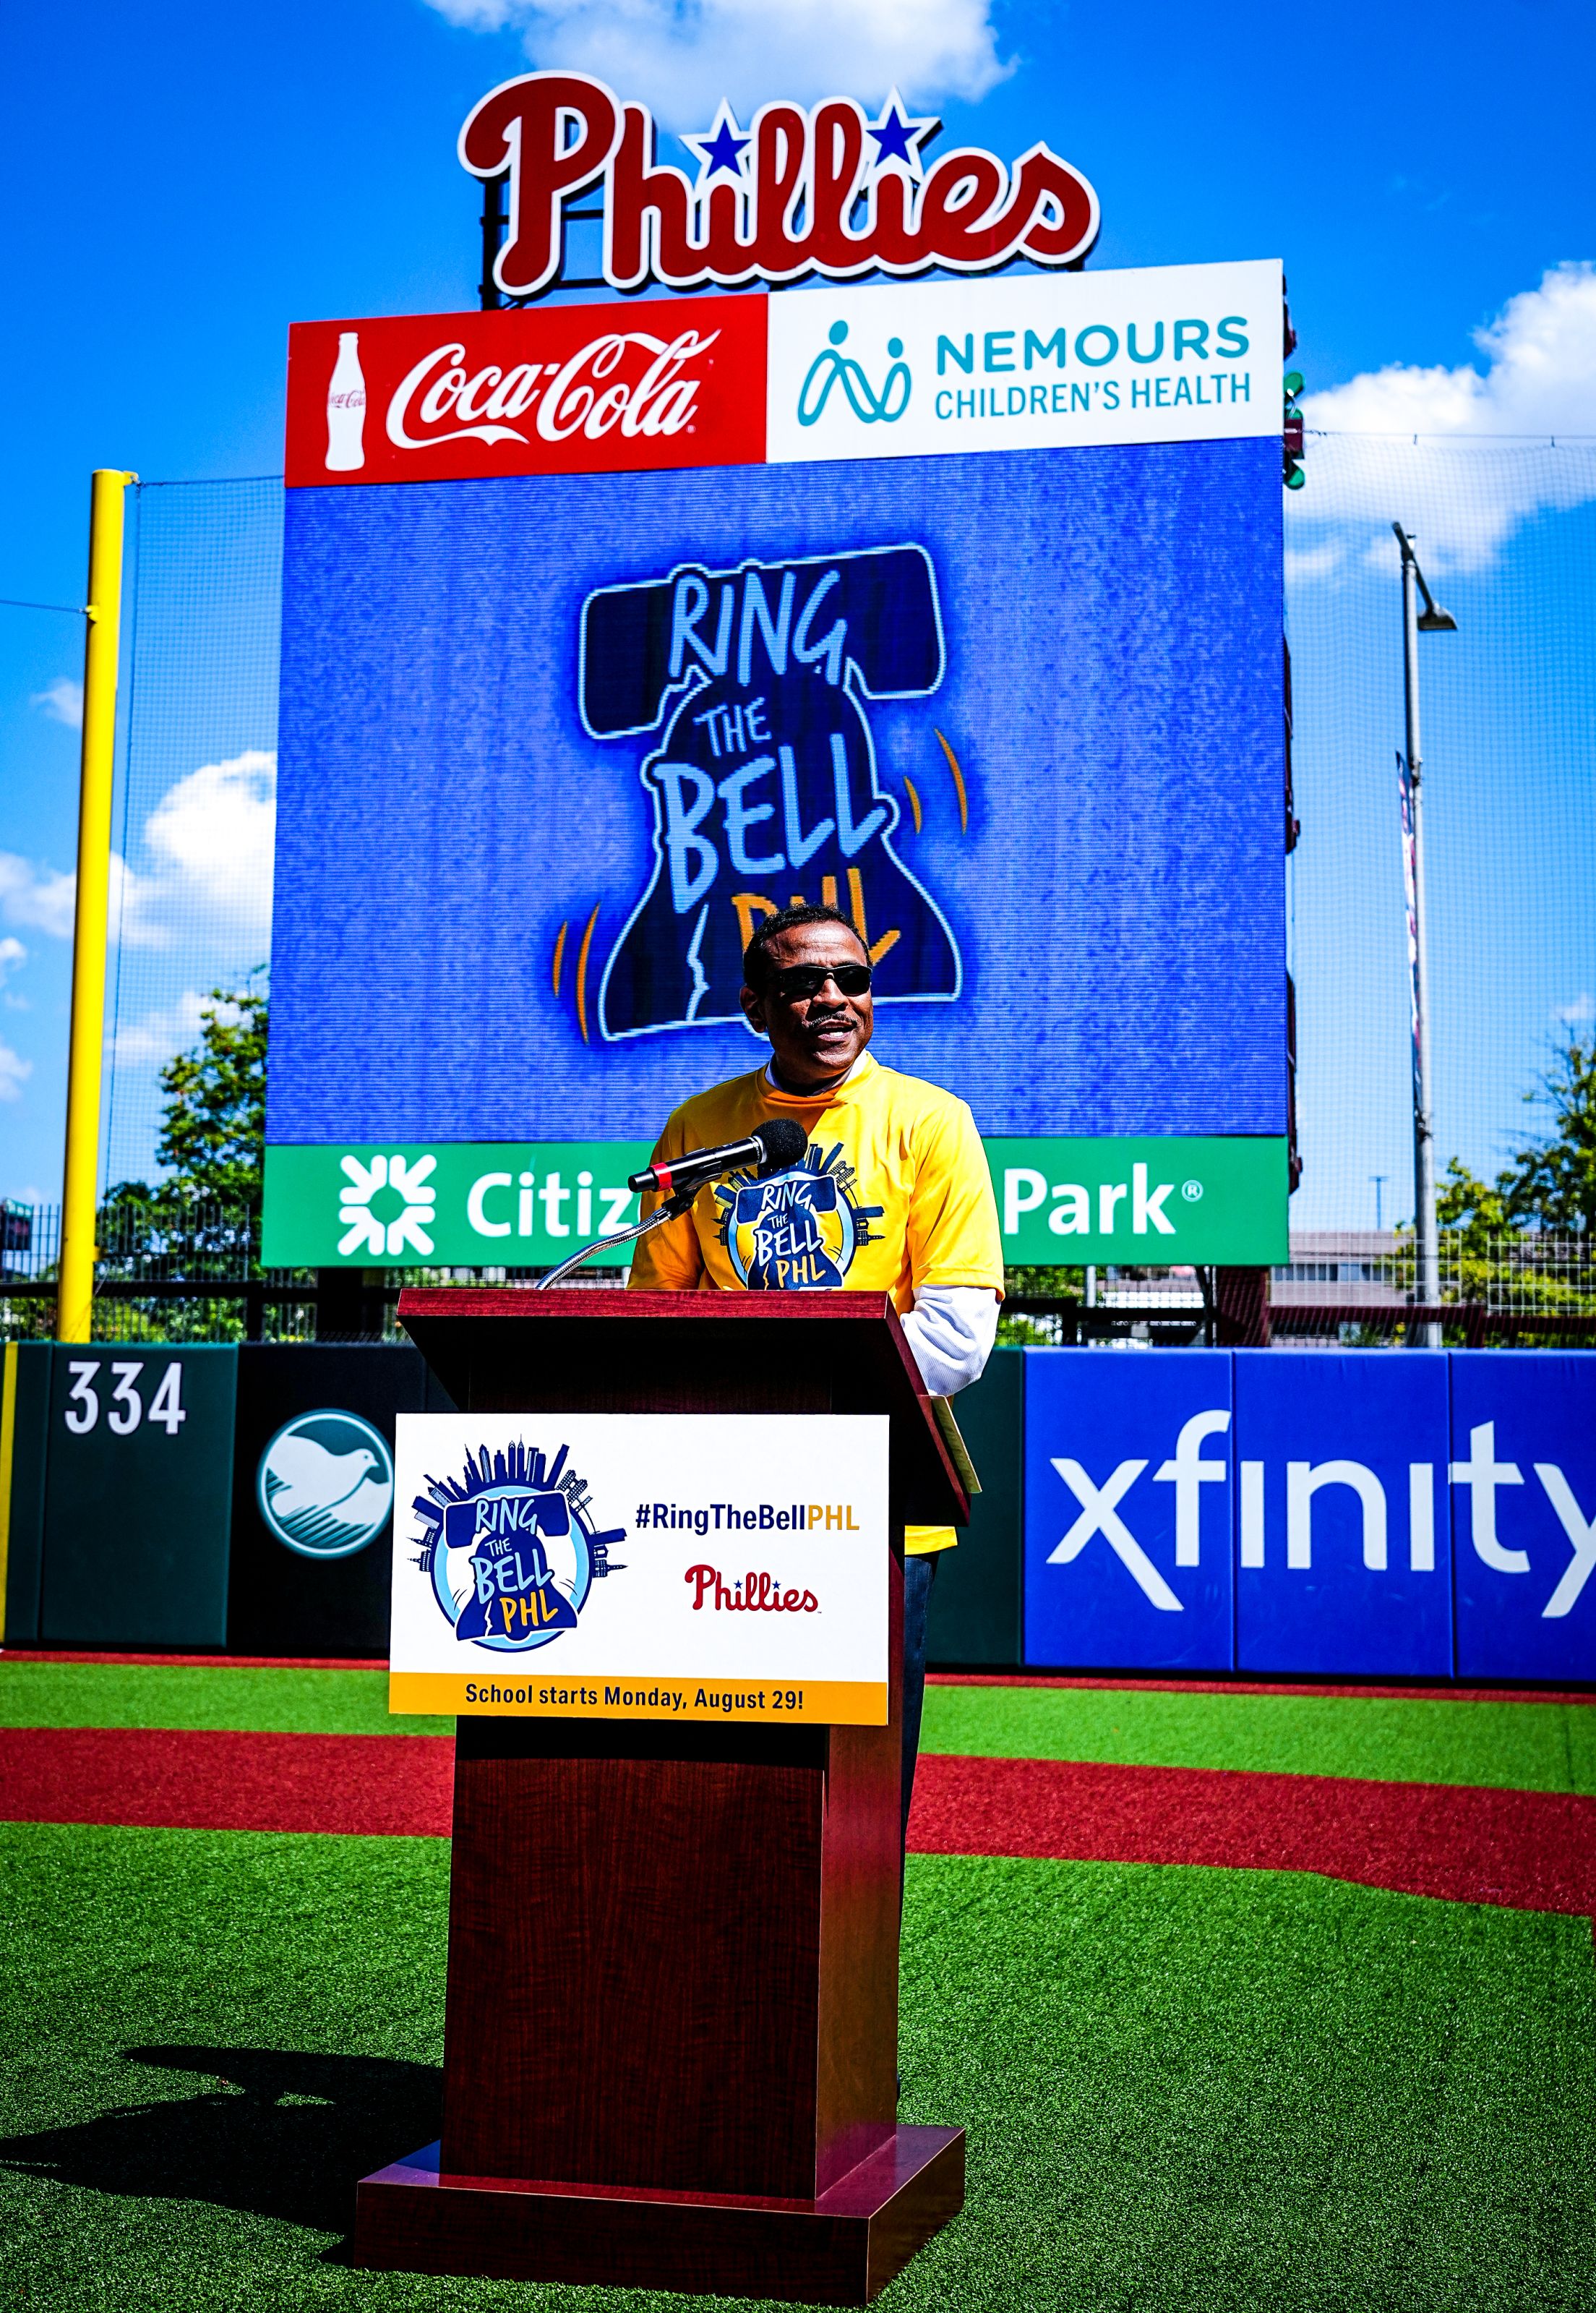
(1506, 535)
(197, 780)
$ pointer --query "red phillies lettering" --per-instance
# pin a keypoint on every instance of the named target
(525, 126)
(746, 1594)
(557, 134)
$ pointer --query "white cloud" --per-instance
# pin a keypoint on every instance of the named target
(1579, 1013)
(62, 700)
(212, 832)
(211, 836)
(44, 899)
(12, 956)
(133, 912)
(161, 1033)
(14, 1072)
(682, 57)
(38, 898)
(1462, 490)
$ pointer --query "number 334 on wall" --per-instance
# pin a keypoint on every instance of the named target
(125, 1409)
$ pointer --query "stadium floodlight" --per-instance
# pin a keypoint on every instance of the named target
(1431, 620)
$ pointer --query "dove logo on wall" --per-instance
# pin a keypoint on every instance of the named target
(325, 1485)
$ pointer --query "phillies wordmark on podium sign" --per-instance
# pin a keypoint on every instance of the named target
(711, 1567)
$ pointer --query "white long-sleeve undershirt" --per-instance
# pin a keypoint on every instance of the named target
(950, 1329)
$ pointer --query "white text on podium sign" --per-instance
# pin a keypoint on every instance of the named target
(641, 1566)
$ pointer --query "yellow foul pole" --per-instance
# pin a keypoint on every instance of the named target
(78, 1199)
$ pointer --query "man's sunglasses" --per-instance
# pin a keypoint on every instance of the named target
(800, 982)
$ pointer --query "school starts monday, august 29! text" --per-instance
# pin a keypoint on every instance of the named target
(755, 1699)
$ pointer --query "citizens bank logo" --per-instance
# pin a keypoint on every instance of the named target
(387, 1204)
(324, 1486)
(799, 1231)
(831, 366)
(510, 1548)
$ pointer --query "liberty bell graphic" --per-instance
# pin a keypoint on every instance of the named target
(763, 785)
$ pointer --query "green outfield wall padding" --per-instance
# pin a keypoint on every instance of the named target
(975, 1602)
(30, 1386)
(138, 1496)
(331, 1596)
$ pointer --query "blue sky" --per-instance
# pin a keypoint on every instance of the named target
(179, 183)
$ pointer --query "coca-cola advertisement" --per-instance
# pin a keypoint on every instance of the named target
(572, 390)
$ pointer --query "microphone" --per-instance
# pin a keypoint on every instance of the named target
(771, 1146)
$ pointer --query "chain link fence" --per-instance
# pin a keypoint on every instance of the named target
(192, 1273)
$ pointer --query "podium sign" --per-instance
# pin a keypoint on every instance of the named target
(727, 1567)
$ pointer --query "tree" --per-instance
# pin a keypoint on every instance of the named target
(1551, 1185)
(213, 1132)
(1472, 1212)
(197, 1224)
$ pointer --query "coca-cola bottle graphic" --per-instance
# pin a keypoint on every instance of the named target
(345, 408)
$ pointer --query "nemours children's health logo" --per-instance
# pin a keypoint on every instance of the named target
(510, 1547)
(831, 366)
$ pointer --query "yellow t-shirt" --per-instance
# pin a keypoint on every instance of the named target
(893, 1193)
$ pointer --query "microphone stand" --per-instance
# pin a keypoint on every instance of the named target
(672, 1210)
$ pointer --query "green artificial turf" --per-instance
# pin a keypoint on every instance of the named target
(1531, 1746)
(1183, 2087)
(194, 1695)
(1520, 1746)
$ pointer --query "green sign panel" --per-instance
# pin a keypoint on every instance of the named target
(522, 1205)
(526, 1205)
(1139, 1204)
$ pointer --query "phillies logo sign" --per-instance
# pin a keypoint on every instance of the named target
(825, 190)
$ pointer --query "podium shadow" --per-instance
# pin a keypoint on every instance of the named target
(293, 2144)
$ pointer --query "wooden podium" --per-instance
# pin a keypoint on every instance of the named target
(671, 2034)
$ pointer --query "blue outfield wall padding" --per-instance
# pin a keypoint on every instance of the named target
(1343, 1539)
(1127, 1511)
(1523, 1454)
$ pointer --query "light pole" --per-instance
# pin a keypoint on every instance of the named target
(1431, 621)
(1380, 1180)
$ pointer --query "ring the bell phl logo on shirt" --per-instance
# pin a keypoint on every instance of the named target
(799, 1231)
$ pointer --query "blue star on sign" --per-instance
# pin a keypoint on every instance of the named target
(900, 135)
(722, 148)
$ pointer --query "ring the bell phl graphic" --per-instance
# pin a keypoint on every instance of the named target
(763, 786)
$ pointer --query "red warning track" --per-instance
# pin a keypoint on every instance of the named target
(192, 1779)
(1535, 1851)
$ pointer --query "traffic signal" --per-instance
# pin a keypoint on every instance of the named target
(1291, 440)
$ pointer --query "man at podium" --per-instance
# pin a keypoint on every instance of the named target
(892, 1194)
